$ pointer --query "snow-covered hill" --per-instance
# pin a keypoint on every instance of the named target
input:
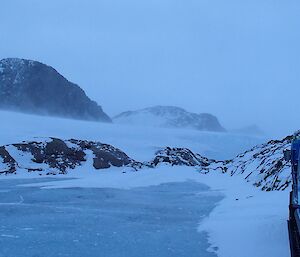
(170, 117)
(33, 87)
(263, 165)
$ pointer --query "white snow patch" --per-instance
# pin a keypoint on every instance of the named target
(247, 222)
(24, 159)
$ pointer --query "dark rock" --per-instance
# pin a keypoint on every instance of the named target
(105, 155)
(8, 160)
(179, 156)
(33, 87)
(55, 153)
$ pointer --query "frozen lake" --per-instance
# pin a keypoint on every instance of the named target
(150, 221)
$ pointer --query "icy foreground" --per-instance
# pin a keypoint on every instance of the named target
(106, 222)
(247, 222)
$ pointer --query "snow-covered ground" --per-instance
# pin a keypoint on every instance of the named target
(246, 223)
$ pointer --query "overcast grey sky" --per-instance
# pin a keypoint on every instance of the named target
(237, 59)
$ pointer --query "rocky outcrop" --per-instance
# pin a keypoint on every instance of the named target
(263, 165)
(179, 156)
(56, 156)
(8, 163)
(170, 117)
(33, 87)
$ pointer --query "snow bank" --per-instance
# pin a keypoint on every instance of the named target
(248, 222)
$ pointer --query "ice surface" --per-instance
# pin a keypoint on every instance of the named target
(144, 221)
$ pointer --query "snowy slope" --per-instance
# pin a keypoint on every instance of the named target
(140, 143)
(263, 165)
(170, 117)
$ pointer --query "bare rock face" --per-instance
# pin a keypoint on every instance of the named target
(56, 156)
(105, 155)
(33, 87)
(9, 164)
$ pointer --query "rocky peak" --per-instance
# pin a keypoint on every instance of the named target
(33, 87)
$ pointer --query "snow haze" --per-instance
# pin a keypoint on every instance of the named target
(238, 60)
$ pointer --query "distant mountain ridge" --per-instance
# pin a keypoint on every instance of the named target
(33, 87)
(171, 117)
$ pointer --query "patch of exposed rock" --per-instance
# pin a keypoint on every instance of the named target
(179, 156)
(56, 156)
